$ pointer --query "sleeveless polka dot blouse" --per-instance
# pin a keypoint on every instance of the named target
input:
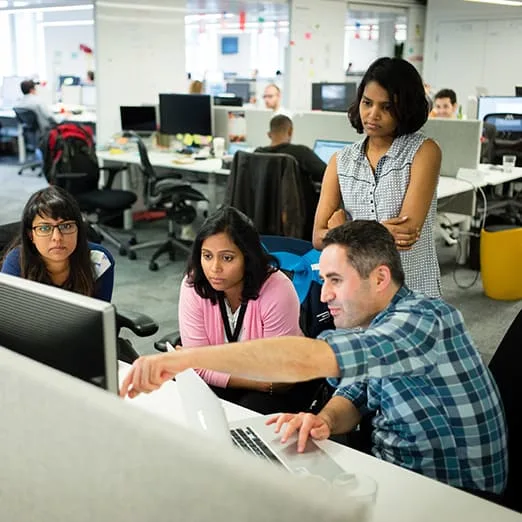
(380, 197)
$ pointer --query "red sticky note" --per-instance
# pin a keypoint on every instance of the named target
(308, 36)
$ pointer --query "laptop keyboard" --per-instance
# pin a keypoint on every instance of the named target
(247, 440)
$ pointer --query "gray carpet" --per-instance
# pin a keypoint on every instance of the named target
(156, 293)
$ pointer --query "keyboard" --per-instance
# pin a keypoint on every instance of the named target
(247, 440)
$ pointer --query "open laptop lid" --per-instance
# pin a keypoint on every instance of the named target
(325, 149)
(204, 412)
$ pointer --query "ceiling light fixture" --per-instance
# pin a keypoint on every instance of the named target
(511, 3)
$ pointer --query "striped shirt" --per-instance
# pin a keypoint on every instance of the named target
(437, 408)
(380, 196)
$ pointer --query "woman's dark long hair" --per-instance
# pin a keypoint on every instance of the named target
(55, 203)
(259, 264)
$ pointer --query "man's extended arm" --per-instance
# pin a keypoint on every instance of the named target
(279, 359)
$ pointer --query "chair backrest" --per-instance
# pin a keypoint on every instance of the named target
(299, 261)
(27, 117)
(505, 367)
(268, 188)
(31, 128)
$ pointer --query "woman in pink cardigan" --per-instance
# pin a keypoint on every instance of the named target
(234, 291)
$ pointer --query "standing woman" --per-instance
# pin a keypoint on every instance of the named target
(52, 247)
(234, 291)
(391, 175)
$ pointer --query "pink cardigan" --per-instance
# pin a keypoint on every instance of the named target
(274, 313)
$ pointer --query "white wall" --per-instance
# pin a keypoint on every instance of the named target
(469, 44)
(239, 63)
(140, 52)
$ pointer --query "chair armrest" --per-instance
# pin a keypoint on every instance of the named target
(140, 324)
(173, 338)
(113, 171)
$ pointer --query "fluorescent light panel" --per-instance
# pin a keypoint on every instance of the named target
(511, 3)
(86, 7)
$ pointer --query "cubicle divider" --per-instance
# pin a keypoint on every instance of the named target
(459, 140)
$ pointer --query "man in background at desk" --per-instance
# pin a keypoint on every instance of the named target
(32, 101)
(280, 134)
(311, 166)
(272, 99)
(445, 104)
(406, 357)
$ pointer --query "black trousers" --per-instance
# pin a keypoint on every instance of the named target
(298, 398)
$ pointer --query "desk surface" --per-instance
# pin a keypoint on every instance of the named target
(402, 495)
(164, 159)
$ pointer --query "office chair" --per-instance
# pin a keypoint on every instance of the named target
(267, 187)
(507, 138)
(32, 135)
(70, 162)
(505, 367)
(163, 193)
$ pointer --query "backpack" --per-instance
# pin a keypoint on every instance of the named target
(69, 148)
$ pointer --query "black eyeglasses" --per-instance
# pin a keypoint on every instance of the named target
(46, 230)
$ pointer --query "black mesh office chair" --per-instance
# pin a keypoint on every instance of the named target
(506, 367)
(268, 188)
(32, 135)
(70, 162)
(507, 137)
(171, 195)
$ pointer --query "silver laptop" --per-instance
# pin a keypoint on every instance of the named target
(204, 412)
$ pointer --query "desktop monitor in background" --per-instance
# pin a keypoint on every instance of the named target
(498, 105)
(325, 149)
(67, 79)
(333, 97)
(228, 100)
(518, 91)
(67, 331)
(239, 89)
(140, 119)
(11, 91)
(185, 114)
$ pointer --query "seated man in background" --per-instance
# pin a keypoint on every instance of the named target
(311, 166)
(400, 354)
(445, 104)
(32, 101)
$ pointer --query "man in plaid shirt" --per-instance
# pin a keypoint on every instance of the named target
(401, 355)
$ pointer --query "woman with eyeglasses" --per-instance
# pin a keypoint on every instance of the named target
(52, 247)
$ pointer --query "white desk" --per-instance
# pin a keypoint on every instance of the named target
(402, 495)
(206, 170)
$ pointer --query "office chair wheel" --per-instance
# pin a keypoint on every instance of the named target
(132, 255)
(133, 241)
(153, 266)
(123, 251)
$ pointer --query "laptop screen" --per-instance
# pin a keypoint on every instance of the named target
(325, 149)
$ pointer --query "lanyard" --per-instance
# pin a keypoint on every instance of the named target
(231, 336)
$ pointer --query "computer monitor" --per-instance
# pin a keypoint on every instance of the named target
(185, 114)
(325, 149)
(228, 100)
(68, 79)
(333, 97)
(89, 96)
(67, 331)
(518, 90)
(498, 105)
(140, 119)
(239, 89)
